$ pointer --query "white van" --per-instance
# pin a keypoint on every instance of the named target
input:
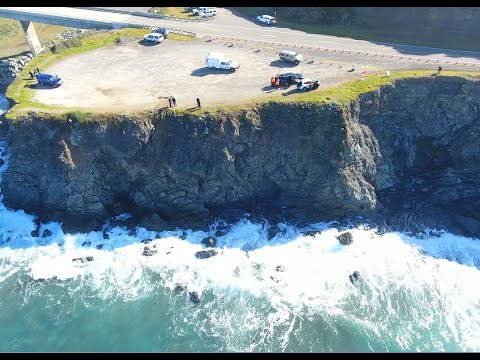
(198, 10)
(207, 13)
(219, 61)
(154, 37)
(292, 56)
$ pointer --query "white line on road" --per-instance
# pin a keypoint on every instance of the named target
(270, 35)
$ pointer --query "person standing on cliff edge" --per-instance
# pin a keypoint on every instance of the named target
(198, 103)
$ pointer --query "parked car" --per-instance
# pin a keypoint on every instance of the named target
(163, 31)
(289, 78)
(49, 80)
(308, 84)
(198, 10)
(219, 61)
(291, 56)
(153, 37)
(266, 19)
(207, 13)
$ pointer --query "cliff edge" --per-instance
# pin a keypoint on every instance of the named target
(410, 147)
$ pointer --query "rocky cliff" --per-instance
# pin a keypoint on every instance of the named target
(410, 147)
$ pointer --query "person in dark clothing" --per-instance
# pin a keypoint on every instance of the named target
(169, 102)
(198, 103)
(32, 75)
(439, 70)
(174, 102)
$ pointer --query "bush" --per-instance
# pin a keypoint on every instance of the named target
(72, 43)
(64, 45)
(58, 48)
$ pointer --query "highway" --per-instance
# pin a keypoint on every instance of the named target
(228, 24)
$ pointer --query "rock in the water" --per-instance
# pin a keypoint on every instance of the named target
(345, 238)
(280, 268)
(99, 246)
(354, 277)
(35, 233)
(310, 233)
(179, 288)
(195, 297)
(149, 252)
(209, 242)
(86, 243)
(89, 258)
(272, 232)
(381, 230)
(205, 254)
(146, 241)
(106, 236)
(79, 259)
(46, 233)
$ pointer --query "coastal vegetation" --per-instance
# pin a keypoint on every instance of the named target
(12, 39)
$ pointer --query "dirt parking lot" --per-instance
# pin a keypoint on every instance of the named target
(134, 76)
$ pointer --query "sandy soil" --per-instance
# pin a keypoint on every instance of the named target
(137, 76)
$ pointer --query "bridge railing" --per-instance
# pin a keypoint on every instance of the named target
(145, 14)
(32, 15)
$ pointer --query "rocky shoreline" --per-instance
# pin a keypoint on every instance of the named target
(402, 156)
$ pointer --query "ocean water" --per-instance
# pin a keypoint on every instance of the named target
(4, 105)
(290, 294)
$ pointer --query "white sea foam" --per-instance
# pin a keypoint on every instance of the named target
(408, 285)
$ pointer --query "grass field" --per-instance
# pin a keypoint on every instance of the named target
(178, 12)
(393, 35)
(12, 39)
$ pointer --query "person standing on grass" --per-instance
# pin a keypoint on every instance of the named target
(174, 102)
(169, 101)
(198, 103)
(439, 70)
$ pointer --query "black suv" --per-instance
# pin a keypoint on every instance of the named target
(163, 31)
(288, 79)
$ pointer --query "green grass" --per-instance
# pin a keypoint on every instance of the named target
(180, 37)
(402, 35)
(12, 39)
(178, 12)
(341, 94)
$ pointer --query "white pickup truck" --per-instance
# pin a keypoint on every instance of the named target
(219, 61)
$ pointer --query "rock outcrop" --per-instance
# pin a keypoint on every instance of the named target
(411, 147)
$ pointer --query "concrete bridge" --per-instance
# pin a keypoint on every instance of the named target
(69, 17)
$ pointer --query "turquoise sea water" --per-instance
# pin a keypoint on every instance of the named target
(290, 294)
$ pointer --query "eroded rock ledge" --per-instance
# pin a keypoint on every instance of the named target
(408, 148)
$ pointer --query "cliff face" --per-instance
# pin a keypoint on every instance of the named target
(411, 146)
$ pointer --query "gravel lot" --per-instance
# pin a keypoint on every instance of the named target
(137, 76)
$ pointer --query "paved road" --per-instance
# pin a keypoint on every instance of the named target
(230, 25)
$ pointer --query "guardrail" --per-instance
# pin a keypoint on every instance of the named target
(176, 31)
(145, 14)
(393, 57)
